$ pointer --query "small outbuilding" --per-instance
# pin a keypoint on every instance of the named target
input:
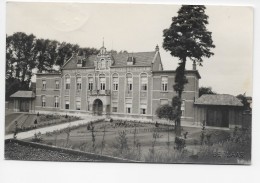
(23, 101)
(222, 110)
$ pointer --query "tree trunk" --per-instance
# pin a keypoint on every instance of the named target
(178, 120)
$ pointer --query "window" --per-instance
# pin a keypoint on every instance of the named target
(56, 103)
(78, 105)
(164, 83)
(67, 104)
(128, 108)
(43, 101)
(43, 84)
(144, 82)
(57, 84)
(78, 80)
(129, 81)
(103, 64)
(67, 81)
(90, 83)
(102, 80)
(114, 107)
(115, 83)
(183, 108)
(143, 109)
(164, 101)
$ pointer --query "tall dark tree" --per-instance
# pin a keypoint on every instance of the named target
(20, 60)
(46, 54)
(206, 90)
(65, 51)
(187, 38)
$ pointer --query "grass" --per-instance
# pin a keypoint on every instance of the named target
(138, 146)
(26, 121)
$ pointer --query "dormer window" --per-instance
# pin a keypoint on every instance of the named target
(79, 63)
(131, 60)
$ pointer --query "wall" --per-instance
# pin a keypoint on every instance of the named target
(190, 92)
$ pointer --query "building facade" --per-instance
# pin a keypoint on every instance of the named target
(119, 85)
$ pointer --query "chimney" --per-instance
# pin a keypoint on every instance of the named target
(157, 48)
(194, 66)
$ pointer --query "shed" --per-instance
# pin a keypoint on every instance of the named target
(23, 101)
(221, 110)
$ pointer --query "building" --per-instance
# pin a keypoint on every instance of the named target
(118, 85)
(220, 110)
(23, 101)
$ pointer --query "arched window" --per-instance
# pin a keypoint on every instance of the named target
(102, 81)
(103, 64)
(144, 82)
(115, 82)
(67, 82)
(56, 101)
(164, 83)
(129, 81)
(78, 80)
(90, 83)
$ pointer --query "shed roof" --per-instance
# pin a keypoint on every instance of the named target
(219, 99)
(23, 94)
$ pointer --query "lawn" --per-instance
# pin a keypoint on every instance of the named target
(149, 143)
(26, 121)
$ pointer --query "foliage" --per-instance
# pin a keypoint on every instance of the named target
(93, 135)
(180, 143)
(187, 37)
(206, 90)
(26, 54)
(121, 144)
(37, 137)
(103, 139)
(243, 99)
(166, 112)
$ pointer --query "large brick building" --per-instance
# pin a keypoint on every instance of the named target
(114, 84)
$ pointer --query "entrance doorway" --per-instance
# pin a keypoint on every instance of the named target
(97, 107)
(24, 105)
(217, 117)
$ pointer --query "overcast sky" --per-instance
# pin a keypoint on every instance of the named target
(137, 28)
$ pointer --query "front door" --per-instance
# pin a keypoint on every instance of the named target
(218, 117)
(24, 105)
(97, 107)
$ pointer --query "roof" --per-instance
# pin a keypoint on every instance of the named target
(120, 60)
(219, 99)
(140, 58)
(23, 94)
(174, 71)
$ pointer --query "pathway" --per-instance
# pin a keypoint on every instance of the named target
(27, 134)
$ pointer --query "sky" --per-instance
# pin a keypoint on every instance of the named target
(138, 28)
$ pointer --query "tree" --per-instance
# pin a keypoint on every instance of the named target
(65, 51)
(20, 60)
(187, 38)
(46, 54)
(169, 113)
(206, 90)
(243, 99)
(165, 112)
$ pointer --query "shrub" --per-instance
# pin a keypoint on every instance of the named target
(180, 143)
